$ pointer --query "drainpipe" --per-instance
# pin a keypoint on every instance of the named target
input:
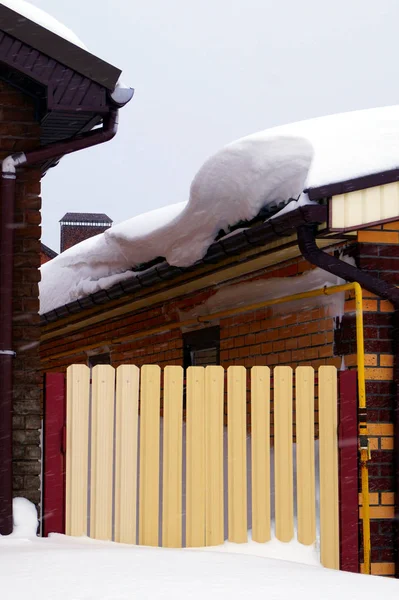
(8, 181)
(313, 254)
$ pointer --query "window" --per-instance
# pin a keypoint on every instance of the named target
(99, 359)
(201, 347)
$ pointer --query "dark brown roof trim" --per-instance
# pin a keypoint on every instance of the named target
(58, 48)
(353, 185)
(258, 235)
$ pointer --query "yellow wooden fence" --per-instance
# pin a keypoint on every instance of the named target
(132, 480)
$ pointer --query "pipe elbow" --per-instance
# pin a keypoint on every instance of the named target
(11, 162)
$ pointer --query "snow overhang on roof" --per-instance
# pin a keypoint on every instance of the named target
(159, 272)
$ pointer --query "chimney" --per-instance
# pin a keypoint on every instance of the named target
(76, 227)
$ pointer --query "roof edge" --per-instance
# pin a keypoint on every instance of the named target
(258, 235)
(353, 185)
(58, 48)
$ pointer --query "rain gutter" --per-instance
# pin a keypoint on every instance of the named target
(7, 353)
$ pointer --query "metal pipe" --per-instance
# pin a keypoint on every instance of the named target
(6, 352)
(9, 165)
(331, 264)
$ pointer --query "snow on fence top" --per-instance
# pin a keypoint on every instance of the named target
(40, 17)
(263, 169)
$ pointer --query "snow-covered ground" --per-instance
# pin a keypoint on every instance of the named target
(81, 569)
(265, 169)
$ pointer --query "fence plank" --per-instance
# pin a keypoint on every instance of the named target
(127, 394)
(237, 454)
(329, 511)
(260, 428)
(77, 451)
(149, 455)
(305, 468)
(102, 433)
(172, 457)
(214, 509)
(195, 462)
(283, 468)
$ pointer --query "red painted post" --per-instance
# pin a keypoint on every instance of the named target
(54, 454)
(348, 472)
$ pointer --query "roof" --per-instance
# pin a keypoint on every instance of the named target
(48, 251)
(72, 90)
(73, 217)
(231, 245)
(57, 47)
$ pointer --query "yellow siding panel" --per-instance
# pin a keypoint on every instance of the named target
(237, 454)
(304, 387)
(149, 455)
(214, 509)
(172, 458)
(260, 439)
(328, 445)
(195, 463)
(77, 450)
(283, 466)
(126, 430)
(102, 433)
(366, 206)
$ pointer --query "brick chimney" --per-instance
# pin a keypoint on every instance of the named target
(76, 227)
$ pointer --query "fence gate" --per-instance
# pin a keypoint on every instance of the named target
(161, 460)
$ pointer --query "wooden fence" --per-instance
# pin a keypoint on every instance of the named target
(133, 479)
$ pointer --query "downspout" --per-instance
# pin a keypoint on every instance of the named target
(8, 181)
(331, 264)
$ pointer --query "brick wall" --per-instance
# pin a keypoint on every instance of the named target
(378, 252)
(73, 234)
(19, 131)
(304, 334)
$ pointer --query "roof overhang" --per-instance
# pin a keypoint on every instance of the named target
(237, 247)
(59, 49)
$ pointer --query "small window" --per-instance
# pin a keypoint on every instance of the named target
(201, 348)
(99, 359)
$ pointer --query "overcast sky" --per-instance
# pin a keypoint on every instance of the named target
(207, 72)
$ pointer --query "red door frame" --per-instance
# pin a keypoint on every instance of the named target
(348, 472)
(54, 454)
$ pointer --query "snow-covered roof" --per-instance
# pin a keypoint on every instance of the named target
(40, 17)
(265, 169)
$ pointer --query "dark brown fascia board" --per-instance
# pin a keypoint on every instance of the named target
(353, 185)
(259, 235)
(58, 48)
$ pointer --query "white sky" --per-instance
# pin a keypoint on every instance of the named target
(207, 72)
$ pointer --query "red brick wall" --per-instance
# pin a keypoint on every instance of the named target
(73, 234)
(19, 131)
(304, 336)
(44, 258)
(378, 252)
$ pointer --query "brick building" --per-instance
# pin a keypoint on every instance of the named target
(76, 227)
(205, 314)
(46, 253)
(52, 93)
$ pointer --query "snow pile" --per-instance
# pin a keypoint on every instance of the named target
(264, 172)
(264, 169)
(40, 17)
(79, 568)
(25, 519)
